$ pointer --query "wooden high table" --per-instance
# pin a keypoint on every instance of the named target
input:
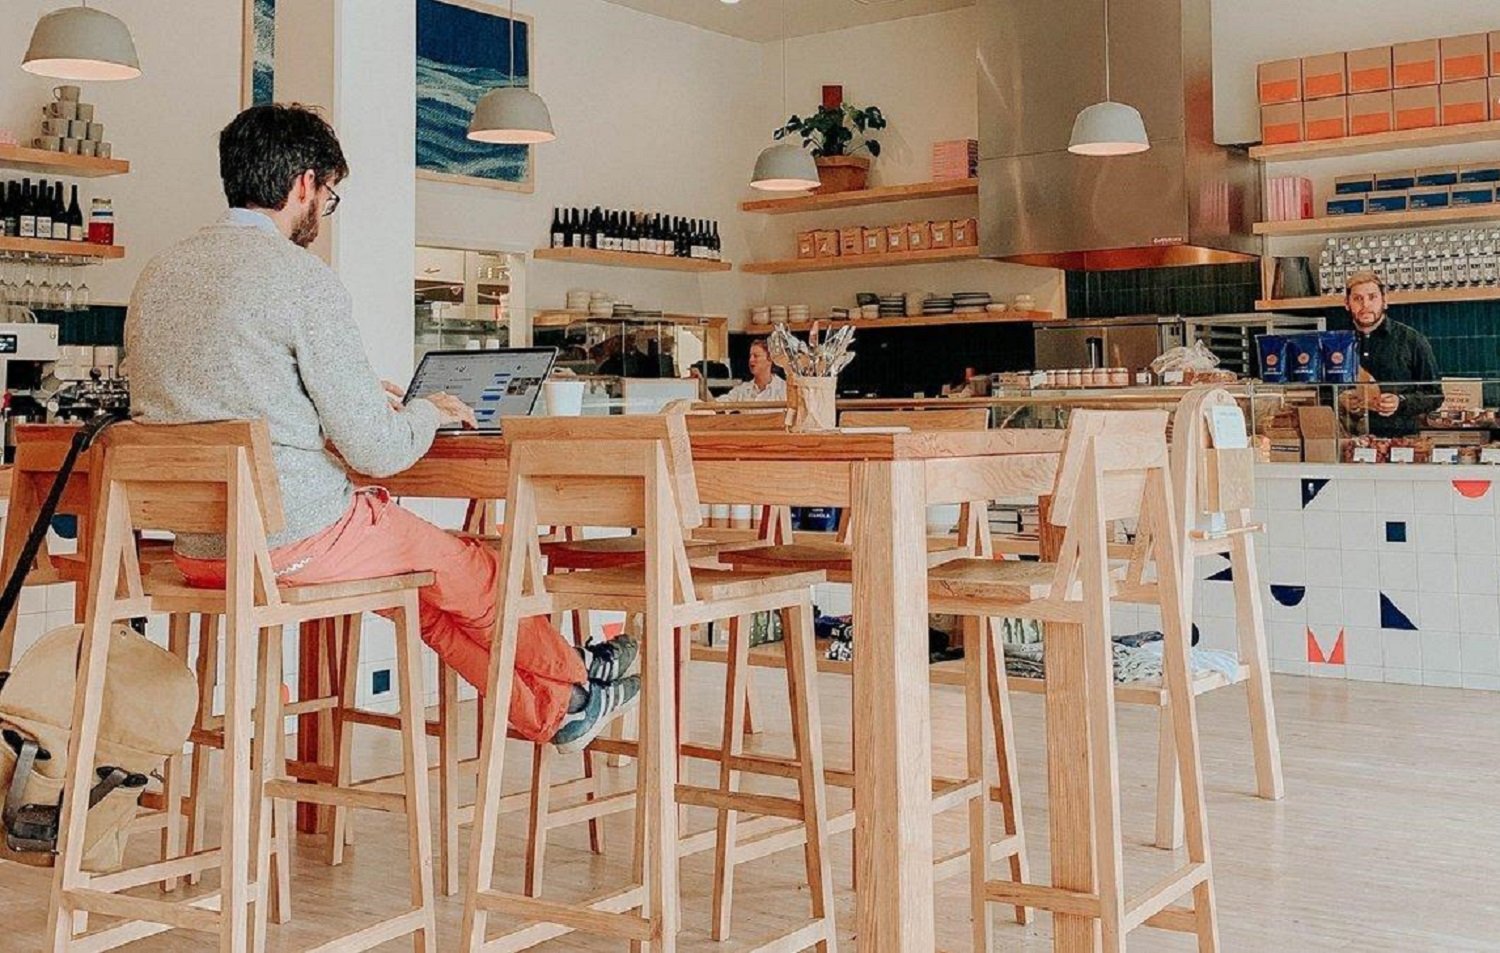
(888, 479)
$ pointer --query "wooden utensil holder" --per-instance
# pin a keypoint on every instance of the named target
(810, 403)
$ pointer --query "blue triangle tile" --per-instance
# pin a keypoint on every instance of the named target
(1223, 575)
(1311, 488)
(1289, 596)
(1392, 617)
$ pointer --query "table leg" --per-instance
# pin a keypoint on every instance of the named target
(892, 718)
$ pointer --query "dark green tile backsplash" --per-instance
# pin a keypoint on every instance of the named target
(100, 326)
(1196, 290)
(1465, 336)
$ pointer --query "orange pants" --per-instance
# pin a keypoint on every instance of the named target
(378, 538)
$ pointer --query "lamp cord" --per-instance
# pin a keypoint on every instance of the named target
(783, 57)
(1106, 50)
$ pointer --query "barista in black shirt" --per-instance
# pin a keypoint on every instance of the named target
(1389, 351)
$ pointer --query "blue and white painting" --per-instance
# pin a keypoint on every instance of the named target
(261, 41)
(464, 49)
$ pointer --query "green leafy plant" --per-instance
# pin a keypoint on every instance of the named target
(837, 130)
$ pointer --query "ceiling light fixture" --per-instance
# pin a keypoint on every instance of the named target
(786, 167)
(511, 115)
(81, 44)
(1108, 128)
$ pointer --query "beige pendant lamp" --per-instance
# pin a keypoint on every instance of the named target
(1108, 128)
(786, 167)
(81, 44)
(511, 115)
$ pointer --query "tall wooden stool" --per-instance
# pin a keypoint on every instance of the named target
(635, 472)
(1114, 467)
(218, 479)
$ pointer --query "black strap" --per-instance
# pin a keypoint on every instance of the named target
(14, 797)
(82, 440)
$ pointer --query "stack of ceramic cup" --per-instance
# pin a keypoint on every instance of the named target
(68, 126)
(601, 305)
(578, 300)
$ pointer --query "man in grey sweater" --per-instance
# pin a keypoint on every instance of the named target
(240, 321)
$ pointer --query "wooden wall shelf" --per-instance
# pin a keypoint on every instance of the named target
(792, 266)
(936, 320)
(625, 259)
(561, 317)
(877, 196)
(1363, 223)
(59, 163)
(1379, 142)
(47, 248)
(1424, 296)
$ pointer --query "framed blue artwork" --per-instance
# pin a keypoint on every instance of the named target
(259, 68)
(464, 49)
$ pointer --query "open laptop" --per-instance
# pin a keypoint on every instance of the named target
(498, 383)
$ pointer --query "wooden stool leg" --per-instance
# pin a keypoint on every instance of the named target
(732, 745)
(179, 629)
(340, 829)
(1168, 794)
(414, 771)
(581, 636)
(282, 819)
(1255, 654)
(807, 737)
(268, 765)
(1098, 651)
(976, 669)
(208, 679)
(236, 844)
(448, 761)
(1003, 730)
(658, 759)
(541, 806)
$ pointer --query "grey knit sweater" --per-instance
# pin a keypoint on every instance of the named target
(237, 322)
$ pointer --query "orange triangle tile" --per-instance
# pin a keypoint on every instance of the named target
(1472, 489)
(1336, 657)
(1314, 654)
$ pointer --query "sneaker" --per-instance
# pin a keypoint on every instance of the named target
(610, 660)
(604, 703)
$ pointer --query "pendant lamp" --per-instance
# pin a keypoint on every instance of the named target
(786, 167)
(511, 115)
(1108, 128)
(81, 44)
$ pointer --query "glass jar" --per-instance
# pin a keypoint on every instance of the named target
(102, 222)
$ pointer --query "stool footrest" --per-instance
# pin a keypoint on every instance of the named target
(135, 930)
(181, 916)
(376, 934)
(616, 803)
(948, 794)
(1159, 895)
(379, 719)
(603, 917)
(802, 938)
(152, 873)
(766, 804)
(337, 797)
(1052, 899)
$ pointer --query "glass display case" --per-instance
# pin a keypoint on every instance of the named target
(643, 344)
(462, 300)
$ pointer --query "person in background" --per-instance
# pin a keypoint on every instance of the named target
(764, 383)
(240, 321)
(1389, 351)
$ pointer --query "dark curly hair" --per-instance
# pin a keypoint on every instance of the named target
(265, 148)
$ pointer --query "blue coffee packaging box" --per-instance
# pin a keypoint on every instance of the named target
(1358, 184)
(1386, 202)
(1420, 198)
(1304, 358)
(1340, 356)
(1394, 181)
(1346, 206)
(1445, 175)
(1272, 349)
(1478, 172)
(1473, 195)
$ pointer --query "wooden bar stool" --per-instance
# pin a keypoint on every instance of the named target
(1114, 467)
(218, 479)
(635, 472)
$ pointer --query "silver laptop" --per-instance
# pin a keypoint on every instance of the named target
(497, 384)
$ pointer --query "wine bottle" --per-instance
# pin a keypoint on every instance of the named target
(43, 214)
(600, 239)
(59, 216)
(13, 210)
(28, 211)
(716, 249)
(575, 233)
(558, 238)
(684, 238)
(632, 235)
(668, 240)
(4, 212)
(75, 219)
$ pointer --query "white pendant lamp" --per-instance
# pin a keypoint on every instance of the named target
(1108, 128)
(81, 44)
(511, 115)
(786, 167)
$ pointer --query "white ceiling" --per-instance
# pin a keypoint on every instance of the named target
(761, 20)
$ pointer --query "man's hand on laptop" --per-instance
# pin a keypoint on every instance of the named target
(452, 410)
(396, 394)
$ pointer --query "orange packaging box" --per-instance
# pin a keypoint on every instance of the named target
(1326, 118)
(1280, 81)
(1464, 102)
(807, 245)
(1281, 123)
(826, 243)
(1416, 108)
(1465, 57)
(895, 238)
(1323, 76)
(918, 236)
(1370, 113)
(874, 239)
(1368, 71)
(851, 241)
(966, 232)
(1414, 64)
(942, 234)
(1495, 53)
(1495, 96)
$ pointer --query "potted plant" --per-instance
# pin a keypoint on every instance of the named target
(835, 134)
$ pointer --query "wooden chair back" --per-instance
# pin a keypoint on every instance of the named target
(920, 421)
(1124, 444)
(1192, 446)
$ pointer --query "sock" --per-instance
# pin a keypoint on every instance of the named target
(579, 699)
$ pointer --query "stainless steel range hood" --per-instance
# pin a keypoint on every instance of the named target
(1184, 201)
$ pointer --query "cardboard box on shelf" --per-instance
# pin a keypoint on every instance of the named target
(1473, 195)
(1464, 57)
(1289, 198)
(1387, 202)
(918, 236)
(1346, 205)
(1280, 81)
(1326, 118)
(1464, 102)
(1395, 180)
(1437, 175)
(1479, 172)
(1319, 427)
(807, 245)
(1414, 64)
(1323, 76)
(1354, 184)
(1370, 113)
(955, 159)
(874, 240)
(851, 241)
(1368, 70)
(1416, 108)
(1286, 446)
(826, 243)
(941, 233)
(1283, 123)
(1429, 197)
(965, 233)
(1495, 53)
(895, 238)
(1495, 96)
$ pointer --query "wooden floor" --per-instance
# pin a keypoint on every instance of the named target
(1388, 841)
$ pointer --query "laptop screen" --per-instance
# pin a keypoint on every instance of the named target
(497, 384)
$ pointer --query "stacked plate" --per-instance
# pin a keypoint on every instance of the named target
(578, 300)
(970, 302)
(799, 313)
(937, 304)
(892, 306)
(624, 309)
(778, 314)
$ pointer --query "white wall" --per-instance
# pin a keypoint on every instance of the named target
(1246, 34)
(166, 122)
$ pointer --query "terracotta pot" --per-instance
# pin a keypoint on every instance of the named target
(842, 173)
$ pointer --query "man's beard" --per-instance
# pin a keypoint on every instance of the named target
(305, 231)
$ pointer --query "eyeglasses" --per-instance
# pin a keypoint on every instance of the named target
(333, 203)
